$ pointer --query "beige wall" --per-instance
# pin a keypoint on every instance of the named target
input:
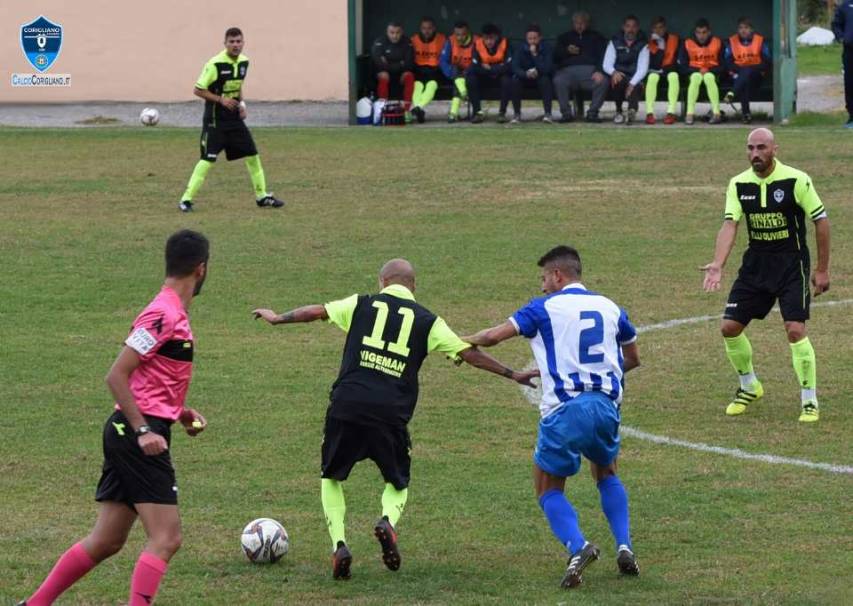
(153, 50)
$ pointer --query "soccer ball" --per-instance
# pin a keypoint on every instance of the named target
(264, 540)
(149, 116)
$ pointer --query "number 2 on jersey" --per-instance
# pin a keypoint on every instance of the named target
(400, 346)
(591, 337)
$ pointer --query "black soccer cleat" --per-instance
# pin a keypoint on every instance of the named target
(341, 563)
(186, 206)
(577, 564)
(387, 537)
(420, 114)
(626, 561)
(270, 201)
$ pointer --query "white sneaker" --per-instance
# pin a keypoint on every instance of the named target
(619, 118)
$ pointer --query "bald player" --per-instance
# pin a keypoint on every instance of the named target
(776, 200)
(374, 397)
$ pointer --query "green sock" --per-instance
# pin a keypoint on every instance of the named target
(256, 172)
(803, 356)
(196, 179)
(651, 92)
(416, 94)
(393, 502)
(693, 92)
(428, 93)
(713, 90)
(461, 87)
(335, 509)
(739, 351)
(672, 90)
(454, 106)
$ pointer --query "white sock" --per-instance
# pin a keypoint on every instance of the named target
(809, 395)
(747, 380)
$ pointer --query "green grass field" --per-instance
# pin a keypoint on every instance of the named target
(85, 214)
(819, 60)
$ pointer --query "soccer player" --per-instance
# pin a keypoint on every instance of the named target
(374, 397)
(663, 48)
(531, 68)
(455, 61)
(393, 61)
(583, 344)
(223, 128)
(700, 61)
(149, 381)
(747, 58)
(776, 200)
(427, 45)
(492, 62)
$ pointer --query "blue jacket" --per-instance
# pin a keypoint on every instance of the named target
(524, 60)
(729, 60)
(842, 22)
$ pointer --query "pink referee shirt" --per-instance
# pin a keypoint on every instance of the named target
(162, 337)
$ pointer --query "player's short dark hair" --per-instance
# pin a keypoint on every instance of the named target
(490, 29)
(702, 23)
(233, 32)
(185, 251)
(744, 21)
(461, 25)
(631, 17)
(427, 19)
(566, 258)
(659, 20)
(394, 23)
(533, 27)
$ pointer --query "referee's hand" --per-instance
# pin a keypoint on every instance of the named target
(152, 444)
(713, 277)
(820, 282)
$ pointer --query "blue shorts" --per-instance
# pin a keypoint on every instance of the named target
(588, 426)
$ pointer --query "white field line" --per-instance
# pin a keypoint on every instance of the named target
(533, 396)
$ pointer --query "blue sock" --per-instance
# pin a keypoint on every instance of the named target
(563, 520)
(614, 504)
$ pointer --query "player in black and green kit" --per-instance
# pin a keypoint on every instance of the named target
(221, 86)
(374, 398)
(776, 201)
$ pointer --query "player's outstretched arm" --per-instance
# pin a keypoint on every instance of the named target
(631, 356)
(482, 360)
(309, 313)
(725, 242)
(492, 336)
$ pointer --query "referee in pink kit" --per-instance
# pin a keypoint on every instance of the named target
(149, 381)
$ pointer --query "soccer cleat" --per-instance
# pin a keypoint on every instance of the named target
(670, 119)
(715, 119)
(810, 412)
(744, 398)
(186, 206)
(420, 114)
(341, 562)
(451, 118)
(478, 118)
(688, 119)
(650, 119)
(577, 564)
(619, 118)
(270, 201)
(626, 561)
(547, 119)
(384, 533)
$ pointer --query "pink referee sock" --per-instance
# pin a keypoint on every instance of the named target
(69, 569)
(147, 573)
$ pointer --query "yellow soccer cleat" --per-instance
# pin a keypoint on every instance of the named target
(744, 398)
(810, 413)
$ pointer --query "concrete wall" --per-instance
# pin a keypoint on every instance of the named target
(153, 50)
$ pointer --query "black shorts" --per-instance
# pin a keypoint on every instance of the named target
(346, 443)
(233, 137)
(130, 476)
(424, 73)
(765, 278)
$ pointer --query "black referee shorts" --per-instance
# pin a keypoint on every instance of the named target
(346, 443)
(765, 278)
(233, 136)
(129, 475)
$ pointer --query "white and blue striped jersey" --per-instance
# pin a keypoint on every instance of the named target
(577, 338)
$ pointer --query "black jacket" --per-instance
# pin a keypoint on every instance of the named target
(842, 22)
(591, 43)
(399, 57)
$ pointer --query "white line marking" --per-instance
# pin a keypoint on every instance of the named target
(534, 395)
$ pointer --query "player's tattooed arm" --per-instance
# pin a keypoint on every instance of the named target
(308, 313)
(482, 360)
